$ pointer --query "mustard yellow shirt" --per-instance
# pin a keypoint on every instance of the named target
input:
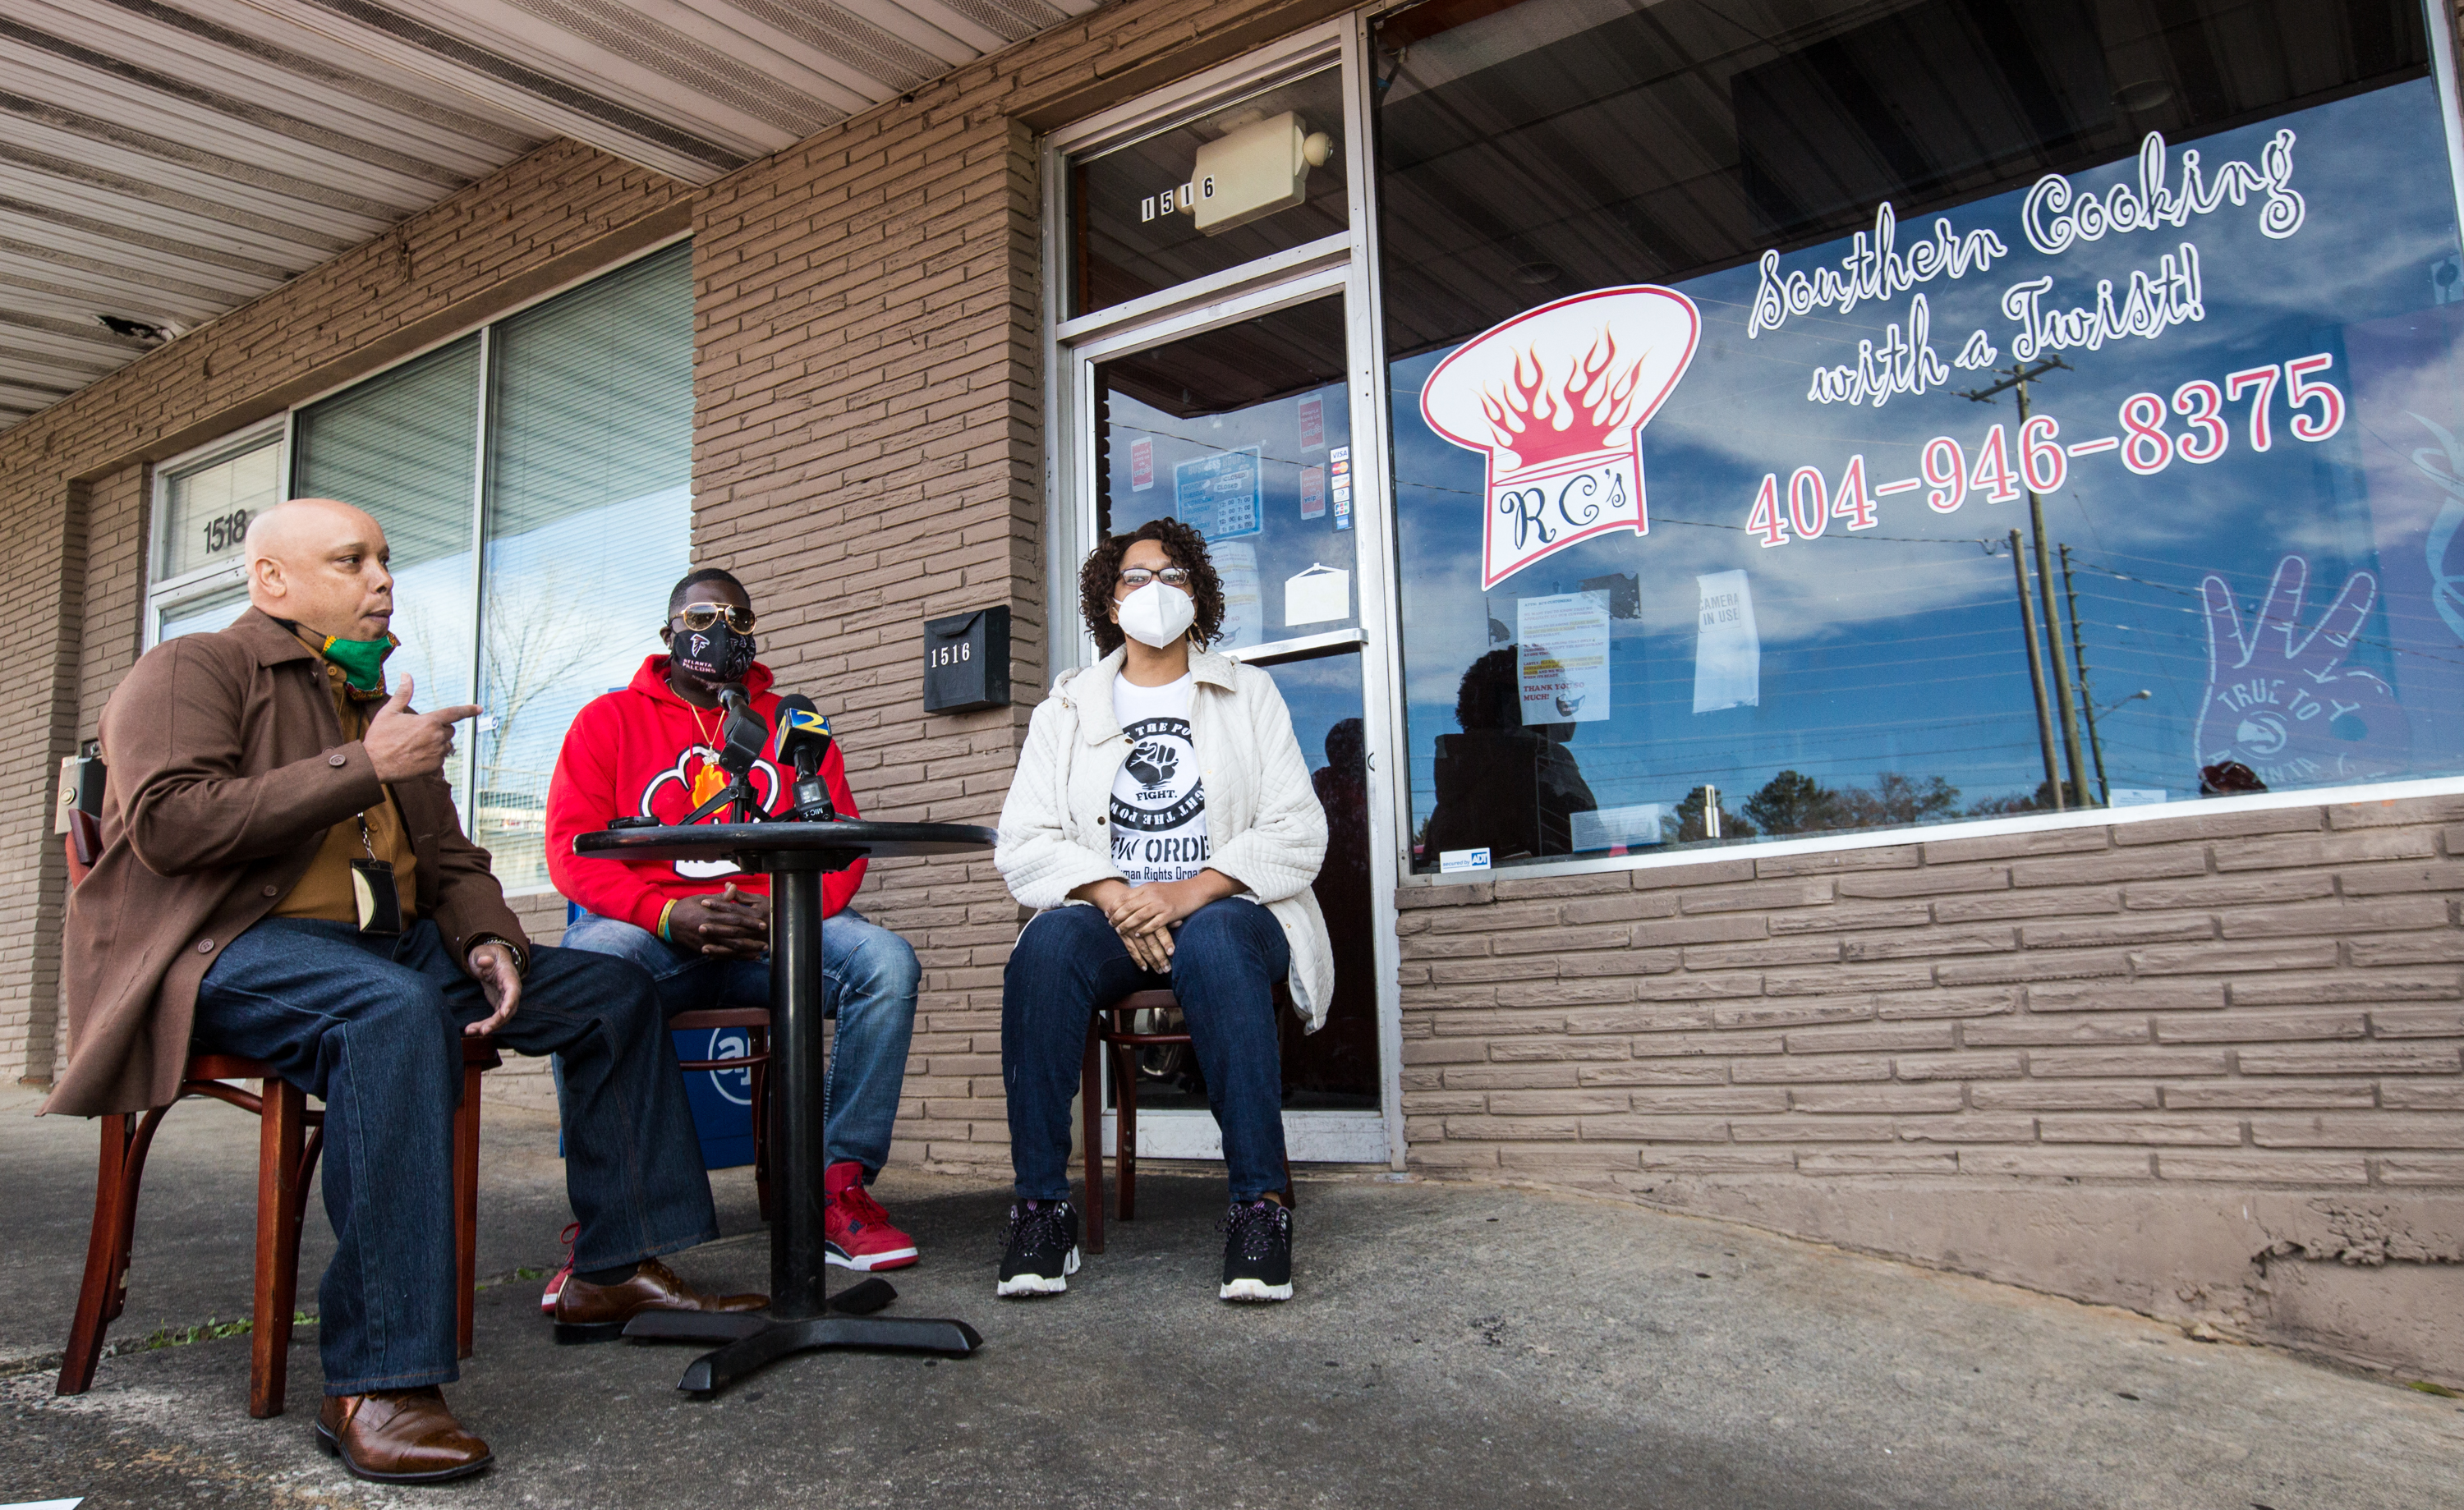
(325, 890)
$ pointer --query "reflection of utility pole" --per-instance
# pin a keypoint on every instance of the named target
(2036, 667)
(2086, 693)
(2021, 375)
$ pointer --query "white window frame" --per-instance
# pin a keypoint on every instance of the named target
(173, 593)
(166, 595)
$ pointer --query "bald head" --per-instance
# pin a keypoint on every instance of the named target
(321, 563)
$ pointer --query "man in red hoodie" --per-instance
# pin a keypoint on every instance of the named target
(702, 927)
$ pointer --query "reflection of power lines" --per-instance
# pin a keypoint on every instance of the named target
(2388, 646)
(1213, 448)
(2020, 375)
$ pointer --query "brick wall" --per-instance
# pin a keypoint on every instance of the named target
(46, 577)
(2273, 997)
(2013, 1054)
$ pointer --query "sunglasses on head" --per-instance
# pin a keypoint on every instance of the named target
(1137, 576)
(700, 617)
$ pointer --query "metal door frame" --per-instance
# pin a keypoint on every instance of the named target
(1343, 264)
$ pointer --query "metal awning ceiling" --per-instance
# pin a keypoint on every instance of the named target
(164, 160)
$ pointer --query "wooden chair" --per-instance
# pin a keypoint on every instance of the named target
(1114, 1029)
(755, 1061)
(290, 1136)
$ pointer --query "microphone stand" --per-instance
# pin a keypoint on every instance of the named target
(739, 791)
(736, 761)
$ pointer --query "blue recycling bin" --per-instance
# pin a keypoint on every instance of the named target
(722, 1099)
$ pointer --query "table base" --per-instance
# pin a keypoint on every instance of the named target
(753, 1343)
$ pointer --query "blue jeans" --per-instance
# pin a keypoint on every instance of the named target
(372, 1024)
(1224, 966)
(868, 981)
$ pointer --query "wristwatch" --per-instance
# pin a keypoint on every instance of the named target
(522, 959)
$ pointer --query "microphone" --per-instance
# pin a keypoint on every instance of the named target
(744, 733)
(804, 740)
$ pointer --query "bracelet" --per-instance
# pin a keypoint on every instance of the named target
(663, 919)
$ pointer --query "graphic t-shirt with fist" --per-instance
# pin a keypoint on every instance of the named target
(1158, 802)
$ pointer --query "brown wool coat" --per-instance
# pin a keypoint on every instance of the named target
(227, 764)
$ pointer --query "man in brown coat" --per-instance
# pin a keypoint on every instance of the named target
(284, 877)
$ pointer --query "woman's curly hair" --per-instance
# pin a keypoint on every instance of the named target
(1187, 549)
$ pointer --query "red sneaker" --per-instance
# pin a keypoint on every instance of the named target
(556, 1280)
(856, 1232)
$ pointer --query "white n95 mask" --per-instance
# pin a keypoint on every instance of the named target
(1157, 615)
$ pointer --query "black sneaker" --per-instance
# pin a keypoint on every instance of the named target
(1043, 1249)
(1257, 1252)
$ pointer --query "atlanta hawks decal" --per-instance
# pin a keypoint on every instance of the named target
(667, 797)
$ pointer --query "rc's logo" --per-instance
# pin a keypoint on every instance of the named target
(1556, 398)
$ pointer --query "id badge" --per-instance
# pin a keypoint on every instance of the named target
(378, 899)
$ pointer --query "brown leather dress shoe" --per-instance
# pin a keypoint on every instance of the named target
(399, 1436)
(597, 1313)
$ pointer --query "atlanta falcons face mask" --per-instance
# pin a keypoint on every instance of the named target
(718, 655)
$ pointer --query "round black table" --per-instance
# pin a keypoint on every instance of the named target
(795, 856)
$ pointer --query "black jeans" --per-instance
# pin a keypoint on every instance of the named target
(372, 1026)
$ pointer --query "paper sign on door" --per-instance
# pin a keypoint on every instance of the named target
(1236, 567)
(1317, 595)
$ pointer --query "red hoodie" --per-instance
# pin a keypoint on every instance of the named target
(637, 752)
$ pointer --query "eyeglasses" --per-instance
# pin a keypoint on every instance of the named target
(1137, 576)
(700, 617)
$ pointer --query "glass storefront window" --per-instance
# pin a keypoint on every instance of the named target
(589, 523)
(573, 477)
(1243, 431)
(204, 613)
(1247, 178)
(404, 445)
(1722, 514)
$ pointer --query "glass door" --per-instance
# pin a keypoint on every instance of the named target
(1213, 367)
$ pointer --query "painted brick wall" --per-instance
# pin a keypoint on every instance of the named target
(2270, 997)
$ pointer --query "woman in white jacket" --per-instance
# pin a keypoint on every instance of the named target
(1162, 825)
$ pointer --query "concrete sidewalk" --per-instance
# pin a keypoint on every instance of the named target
(1451, 1345)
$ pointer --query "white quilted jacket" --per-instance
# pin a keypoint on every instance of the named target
(1264, 823)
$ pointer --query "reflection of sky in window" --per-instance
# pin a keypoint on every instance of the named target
(432, 618)
(1897, 650)
(572, 607)
(1320, 693)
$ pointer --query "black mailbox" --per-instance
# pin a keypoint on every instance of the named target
(966, 662)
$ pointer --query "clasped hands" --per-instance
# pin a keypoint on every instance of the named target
(1144, 915)
(728, 924)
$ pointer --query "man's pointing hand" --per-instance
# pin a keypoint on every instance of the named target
(403, 744)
